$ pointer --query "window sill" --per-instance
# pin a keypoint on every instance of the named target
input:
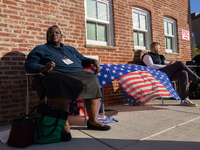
(168, 53)
(100, 47)
(141, 50)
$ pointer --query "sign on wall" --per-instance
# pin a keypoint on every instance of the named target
(185, 34)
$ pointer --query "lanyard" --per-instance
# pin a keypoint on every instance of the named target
(65, 56)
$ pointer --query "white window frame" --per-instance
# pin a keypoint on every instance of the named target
(147, 32)
(109, 25)
(174, 36)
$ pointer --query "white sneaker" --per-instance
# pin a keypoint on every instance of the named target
(188, 102)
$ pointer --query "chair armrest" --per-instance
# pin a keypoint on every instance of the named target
(34, 74)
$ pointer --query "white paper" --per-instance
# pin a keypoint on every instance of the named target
(4, 136)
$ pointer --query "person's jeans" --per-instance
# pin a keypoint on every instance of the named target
(179, 71)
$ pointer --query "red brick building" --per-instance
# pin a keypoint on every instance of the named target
(118, 31)
(195, 28)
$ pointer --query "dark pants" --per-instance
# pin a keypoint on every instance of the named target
(179, 71)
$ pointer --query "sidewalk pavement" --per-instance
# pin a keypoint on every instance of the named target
(150, 127)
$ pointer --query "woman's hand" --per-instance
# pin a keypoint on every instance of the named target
(48, 67)
(96, 65)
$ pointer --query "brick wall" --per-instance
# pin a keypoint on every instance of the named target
(23, 25)
(195, 28)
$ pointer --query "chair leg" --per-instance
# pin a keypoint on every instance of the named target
(102, 101)
(27, 95)
(162, 101)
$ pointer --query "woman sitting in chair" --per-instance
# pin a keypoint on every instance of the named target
(64, 78)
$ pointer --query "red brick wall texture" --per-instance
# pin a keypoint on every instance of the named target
(195, 28)
(23, 25)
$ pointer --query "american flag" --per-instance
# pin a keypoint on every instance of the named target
(141, 84)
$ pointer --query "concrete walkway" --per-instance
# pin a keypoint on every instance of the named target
(150, 127)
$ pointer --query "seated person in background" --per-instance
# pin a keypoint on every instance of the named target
(175, 71)
(64, 78)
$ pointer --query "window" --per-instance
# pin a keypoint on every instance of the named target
(170, 35)
(194, 38)
(141, 27)
(99, 24)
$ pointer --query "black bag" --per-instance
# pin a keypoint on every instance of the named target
(194, 91)
(21, 133)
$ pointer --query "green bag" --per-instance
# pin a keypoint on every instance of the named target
(49, 123)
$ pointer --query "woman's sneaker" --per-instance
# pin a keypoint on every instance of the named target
(188, 102)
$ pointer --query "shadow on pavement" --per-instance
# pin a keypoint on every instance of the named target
(105, 144)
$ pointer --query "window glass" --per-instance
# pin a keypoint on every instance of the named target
(135, 20)
(165, 43)
(102, 11)
(141, 39)
(101, 32)
(91, 31)
(91, 9)
(142, 22)
(135, 38)
(165, 26)
(169, 43)
(170, 28)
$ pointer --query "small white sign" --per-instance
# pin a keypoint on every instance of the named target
(67, 61)
(185, 34)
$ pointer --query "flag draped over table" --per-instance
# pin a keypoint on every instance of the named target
(140, 83)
